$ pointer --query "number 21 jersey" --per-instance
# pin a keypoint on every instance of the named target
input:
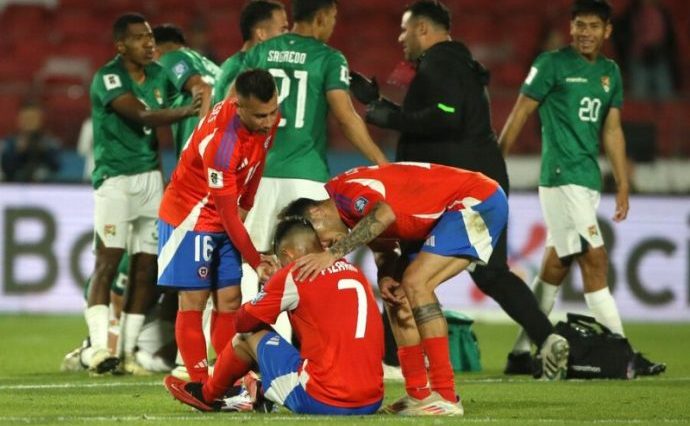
(305, 69)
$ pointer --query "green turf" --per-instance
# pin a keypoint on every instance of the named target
(33, 391)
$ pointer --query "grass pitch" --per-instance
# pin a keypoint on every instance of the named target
(33, 391)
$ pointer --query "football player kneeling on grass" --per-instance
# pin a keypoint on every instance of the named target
(338, 369)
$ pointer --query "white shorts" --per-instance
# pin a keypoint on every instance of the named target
(129, 204)
(570, 213)
(273, 195)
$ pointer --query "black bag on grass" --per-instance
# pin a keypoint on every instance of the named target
(595, 351)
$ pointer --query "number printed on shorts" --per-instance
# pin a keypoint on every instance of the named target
(203, 248)
(362, 307)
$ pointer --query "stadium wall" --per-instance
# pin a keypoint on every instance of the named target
(46, 233)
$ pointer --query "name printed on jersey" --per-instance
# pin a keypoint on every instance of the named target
(287, 56)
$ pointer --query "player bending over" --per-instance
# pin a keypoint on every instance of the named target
(338, 369)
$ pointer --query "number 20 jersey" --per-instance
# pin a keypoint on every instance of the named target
(305, 69)
(339, 327)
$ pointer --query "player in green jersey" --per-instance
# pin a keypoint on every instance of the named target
(260, 20)
(128, 100)
(578, 93)
(313, 80)
(192, 74)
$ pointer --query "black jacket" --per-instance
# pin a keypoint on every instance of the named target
(446, 117)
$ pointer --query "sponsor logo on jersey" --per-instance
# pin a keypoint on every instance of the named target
(243, 164)
(179, 69)
(202, 272)
(606, 83)
(112, 81)
(360, 204)
(260, 295)
(109, 230)
(215, 178)
(575, 80)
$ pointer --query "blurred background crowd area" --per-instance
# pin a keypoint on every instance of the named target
(52, 48)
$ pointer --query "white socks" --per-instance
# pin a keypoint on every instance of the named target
(545, 293)
(97, 321)
(603, 306)
(130, 327)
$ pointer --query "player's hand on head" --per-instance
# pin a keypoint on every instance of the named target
(310, 266)
(267, 267)
(363, 89)
(391, 292)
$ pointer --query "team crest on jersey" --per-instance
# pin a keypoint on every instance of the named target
(179, 69)
(592, 230)
(109, 230)
(606, 83)
(215, 178)
(202, 272)
(260, 295)
(360, 204)
(159, 98)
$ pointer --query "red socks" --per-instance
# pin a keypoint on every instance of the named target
(222, 329)
(229, 367)
(440, 369)
(192, 344)
(414, 370)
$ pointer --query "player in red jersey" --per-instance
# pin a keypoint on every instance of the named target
(445, 219)
(338, 369)
(201, 234)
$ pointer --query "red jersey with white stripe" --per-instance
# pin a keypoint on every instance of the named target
(418, 193)
(339, 327)
(221, 158)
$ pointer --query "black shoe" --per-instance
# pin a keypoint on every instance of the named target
(519, 363)
(645, 367)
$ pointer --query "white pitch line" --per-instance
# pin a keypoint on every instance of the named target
(160, 383)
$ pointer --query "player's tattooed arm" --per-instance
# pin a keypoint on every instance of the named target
(371, 226)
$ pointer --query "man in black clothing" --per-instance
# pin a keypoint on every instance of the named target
(445, 119)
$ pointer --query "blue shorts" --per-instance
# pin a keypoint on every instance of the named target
(472, 232)
(279, 363)
(190, 260)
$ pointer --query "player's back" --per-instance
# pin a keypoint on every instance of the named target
(304, 69)
(418, 193)
(339, 327)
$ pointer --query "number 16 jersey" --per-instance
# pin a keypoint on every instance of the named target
(305, 69)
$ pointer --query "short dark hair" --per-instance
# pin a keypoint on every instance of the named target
(124, 21)
(256, 82)
(288, 227)
(255, 12)
(169, 33)
(305, 10)
(433, 10)
(298, 208)
(600, 8)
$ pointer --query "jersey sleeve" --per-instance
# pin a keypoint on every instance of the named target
(617, 86)
(109, 84)
(278, 295)
(353, 197)
(336, 72)
(179, 67)
(540, 79)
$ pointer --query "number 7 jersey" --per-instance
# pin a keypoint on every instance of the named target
(305, 69)
(339, 327)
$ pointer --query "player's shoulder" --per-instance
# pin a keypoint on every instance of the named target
(113, 66)
(608, 63)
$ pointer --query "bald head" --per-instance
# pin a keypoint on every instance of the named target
(294, 238)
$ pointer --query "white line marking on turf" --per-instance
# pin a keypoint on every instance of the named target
(160, 383)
